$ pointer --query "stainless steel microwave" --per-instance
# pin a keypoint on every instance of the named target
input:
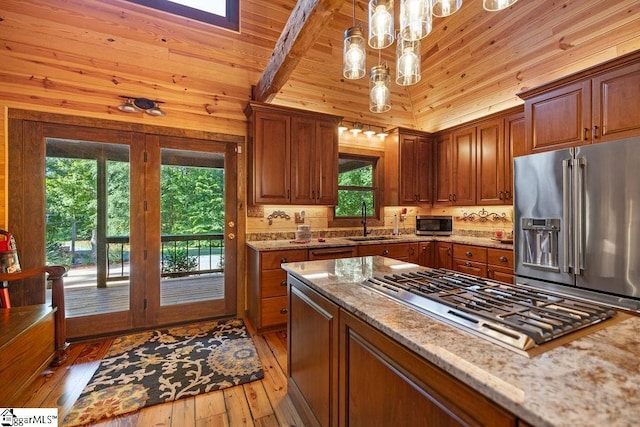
(434, 225)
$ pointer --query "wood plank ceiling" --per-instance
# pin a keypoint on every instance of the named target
(78, 56)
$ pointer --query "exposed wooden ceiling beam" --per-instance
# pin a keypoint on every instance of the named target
(307, 20)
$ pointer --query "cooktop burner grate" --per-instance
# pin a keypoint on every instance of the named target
(514, 315)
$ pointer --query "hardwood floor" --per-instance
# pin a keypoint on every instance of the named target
(260, 403)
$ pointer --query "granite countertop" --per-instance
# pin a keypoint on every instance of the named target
(332, 242)
(593, 380)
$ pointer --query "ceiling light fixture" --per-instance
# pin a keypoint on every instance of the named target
(382, 134)
(369, 132)
(354, 53)
(444, 8)
(342, 127)
(356, 129)
(416, 22)
(380, 23)
(134, 105)
(497, 5)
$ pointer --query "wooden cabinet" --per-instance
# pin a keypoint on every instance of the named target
(500, 265)
(595, 105)
(408, 168)
(497, 141)
(267, 286)
(406, 390)
(470, 259)
(332, 355)
(312, 365)
(456, 157)
(267, 306)
(443, 255)
(292, 156)
(400, 251)
(426, 254)
(314, 161)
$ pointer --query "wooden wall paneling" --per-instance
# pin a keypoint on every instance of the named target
(4, 165)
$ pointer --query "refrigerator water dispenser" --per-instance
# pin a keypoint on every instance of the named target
(540, 244)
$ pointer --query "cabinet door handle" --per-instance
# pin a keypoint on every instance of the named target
(500, 195)
(385, 252)
(283, 260)
(284, 311)
(450, 198)
(507, 195)
(585, 133)
(313, 194)
(503, 259)
(449, 251)
(454, 197)
(468, 264)
(283, 283)
(469, 254)
(411, 251)
(595, 132)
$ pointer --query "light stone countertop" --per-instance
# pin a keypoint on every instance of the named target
(593, 380)
(333, 242)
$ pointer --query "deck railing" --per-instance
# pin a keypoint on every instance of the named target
(182, 255)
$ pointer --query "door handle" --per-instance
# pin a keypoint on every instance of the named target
(503, 259)
(595, 132)
(585, 132)
(385, 252)
(468, 253)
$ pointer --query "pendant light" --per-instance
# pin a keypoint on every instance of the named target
(415, 19)
(442, 8)
(380, 23)
(497, 5)
(379, 94)
(407, 61)
(354, 54)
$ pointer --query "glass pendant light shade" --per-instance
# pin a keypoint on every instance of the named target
(415, 19)
(442, 8)
(354, 54)
(407, 62)
(496, 5)
(380, 23)
(379, 94)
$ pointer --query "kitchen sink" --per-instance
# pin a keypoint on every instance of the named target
(369, 238)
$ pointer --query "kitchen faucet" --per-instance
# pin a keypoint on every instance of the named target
(363, 221)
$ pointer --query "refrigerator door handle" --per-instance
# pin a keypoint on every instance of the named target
(578, 191)
(566, 217)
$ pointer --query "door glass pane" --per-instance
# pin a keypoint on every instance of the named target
(192, 226)
(87, 223)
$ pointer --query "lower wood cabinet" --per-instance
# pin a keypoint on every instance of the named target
(399, 251)
(443, 255)
(312, 364)
(500, 265)
(470, 259)
(267, 286)
(343, 372)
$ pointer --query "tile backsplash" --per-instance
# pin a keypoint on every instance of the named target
(478, 221)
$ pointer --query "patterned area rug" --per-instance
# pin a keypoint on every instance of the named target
(160, 366)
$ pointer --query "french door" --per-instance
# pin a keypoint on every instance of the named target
(145, 223)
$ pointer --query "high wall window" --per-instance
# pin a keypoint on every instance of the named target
(222, 13)
(358, 183)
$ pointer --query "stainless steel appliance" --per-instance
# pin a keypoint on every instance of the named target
(434, 225)
(516, 317)
(577, 222)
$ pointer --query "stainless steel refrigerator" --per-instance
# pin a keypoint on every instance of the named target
(577, 221)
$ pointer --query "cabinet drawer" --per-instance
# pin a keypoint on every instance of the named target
(397, 251)
(273, 283)
(471, 253)
(271, 260)
(470, 267)
(332, 253)
(501, 257)
(274, 311)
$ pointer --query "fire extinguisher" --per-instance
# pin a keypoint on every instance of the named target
(8, 264)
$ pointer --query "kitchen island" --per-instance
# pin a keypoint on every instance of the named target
(593, 379)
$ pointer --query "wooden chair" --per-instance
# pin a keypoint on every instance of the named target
(53, 273)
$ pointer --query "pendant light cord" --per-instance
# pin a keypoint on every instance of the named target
(354, 13)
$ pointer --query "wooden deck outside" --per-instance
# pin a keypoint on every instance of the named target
(87, 300)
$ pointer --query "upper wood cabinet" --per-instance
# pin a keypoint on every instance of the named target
(497, 141)
(408, 168)
(596, 105)
(455, 160)
(292, 156)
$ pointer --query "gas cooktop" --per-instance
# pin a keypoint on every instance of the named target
(514, 316)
